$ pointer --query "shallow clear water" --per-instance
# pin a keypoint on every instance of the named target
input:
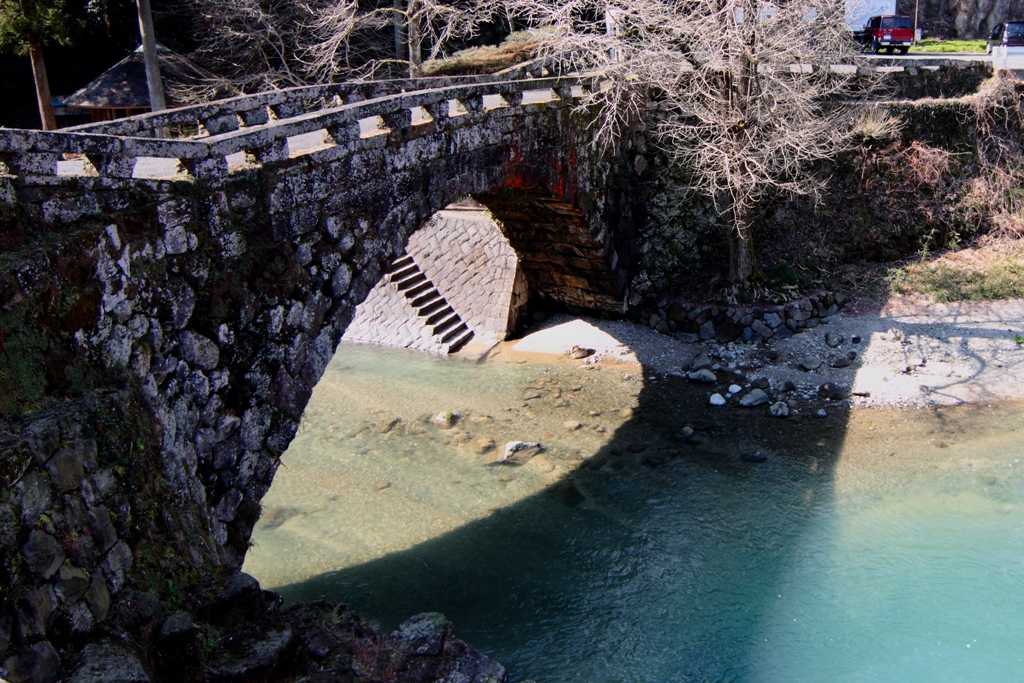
(869, 546)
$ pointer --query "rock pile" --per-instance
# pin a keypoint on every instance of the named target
(695, 323)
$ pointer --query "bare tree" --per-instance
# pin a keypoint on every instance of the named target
(744, 95)
(265, 44)
(254, 45)
(423, 29)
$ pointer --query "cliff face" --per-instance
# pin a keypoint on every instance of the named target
(962, 18)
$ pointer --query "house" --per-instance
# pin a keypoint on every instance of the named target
(121, 90)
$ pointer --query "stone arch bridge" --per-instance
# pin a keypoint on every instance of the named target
(173, 286)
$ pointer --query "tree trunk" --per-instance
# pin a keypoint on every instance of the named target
(741, 247)
(157, 102)
(401, 51)
(415, 39)
(43, 96)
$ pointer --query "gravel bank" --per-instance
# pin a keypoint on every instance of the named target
(910, 353)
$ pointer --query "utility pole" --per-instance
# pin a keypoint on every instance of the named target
(917, 4)
(157, 102)
(35, 53)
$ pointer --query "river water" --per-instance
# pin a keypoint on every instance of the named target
(867, 546)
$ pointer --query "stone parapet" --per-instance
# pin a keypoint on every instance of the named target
(239, 126)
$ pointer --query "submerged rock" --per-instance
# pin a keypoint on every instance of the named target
(276, 516)
(779, 409)
(569, 494)
(717, 400)
(483, 445)
(518, 452)
(752, 456)
(458, 437)
(444, 420)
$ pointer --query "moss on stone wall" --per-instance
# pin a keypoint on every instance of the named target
(46, 298)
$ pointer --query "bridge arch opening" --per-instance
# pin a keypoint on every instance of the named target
(468, 273)
(457, 281)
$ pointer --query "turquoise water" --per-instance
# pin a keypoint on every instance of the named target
(869, 546)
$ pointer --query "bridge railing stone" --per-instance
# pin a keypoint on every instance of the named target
(251, 110)
(36, 153)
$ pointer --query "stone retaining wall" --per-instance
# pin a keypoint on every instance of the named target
(465, 255)
(700, 322)
(386, 318)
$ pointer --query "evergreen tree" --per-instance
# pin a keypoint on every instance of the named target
(25, 27)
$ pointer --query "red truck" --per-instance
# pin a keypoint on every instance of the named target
(889, 32)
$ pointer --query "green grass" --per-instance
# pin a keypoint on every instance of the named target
(943, 283)
(936, 45)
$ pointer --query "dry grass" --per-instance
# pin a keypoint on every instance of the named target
(517, 48)
(876, 124)
(993, 270)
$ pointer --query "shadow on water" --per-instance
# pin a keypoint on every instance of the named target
(659, 559)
